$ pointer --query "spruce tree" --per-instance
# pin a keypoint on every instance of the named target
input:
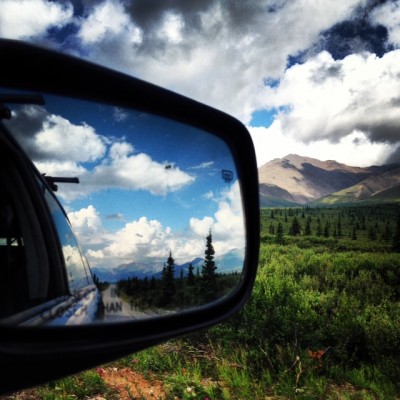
(396, 237)
(354, 233)
(168, 280)
(307, 230)
(295, 227)
(326, 230)
(190, 276)
(319, 229)
(209, 276)
(279, 234)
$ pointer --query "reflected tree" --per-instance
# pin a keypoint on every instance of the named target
(209, 276)
(168, 280)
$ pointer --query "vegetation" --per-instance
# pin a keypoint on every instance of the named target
(323, 321)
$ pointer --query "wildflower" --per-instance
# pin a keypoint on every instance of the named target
(317, 356)
(191, 392)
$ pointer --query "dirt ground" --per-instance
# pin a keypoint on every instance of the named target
(131, 384)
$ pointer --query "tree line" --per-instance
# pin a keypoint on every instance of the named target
(199, 285)
(378, 223)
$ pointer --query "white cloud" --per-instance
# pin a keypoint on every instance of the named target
(328, 100)
(136, 172)
(59, 139)
(354, 149)
(227, 224)
(59, 148)
(87, 226)
(202, 226)
(388, 15)
(60, 168)
(227, 51)
(24, 19)
(171, 28)
(146, 240)
(108, 19)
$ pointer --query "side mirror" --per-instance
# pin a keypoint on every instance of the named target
(166, 212)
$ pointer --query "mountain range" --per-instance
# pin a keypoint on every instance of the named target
(231, 261)
(296, 180)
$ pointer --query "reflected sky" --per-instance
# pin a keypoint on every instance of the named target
(148, 185)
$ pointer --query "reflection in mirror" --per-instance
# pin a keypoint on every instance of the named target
(157, 211)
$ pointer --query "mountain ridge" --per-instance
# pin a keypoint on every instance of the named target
(296, 180)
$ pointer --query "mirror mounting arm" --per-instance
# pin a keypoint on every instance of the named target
(51, 180)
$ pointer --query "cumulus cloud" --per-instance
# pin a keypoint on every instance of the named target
(87, 225)
(107, 19)
(148, 239)
(61, 148)
(388, 15)
(53, 138)
(25, 19)
(136, 171)
(226, 224)
(329, 99)
(231, 49)
(355, 149)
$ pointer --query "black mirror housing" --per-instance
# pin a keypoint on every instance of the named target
(32, 355)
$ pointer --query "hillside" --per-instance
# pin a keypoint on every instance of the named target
(377, 187)
(295, 180)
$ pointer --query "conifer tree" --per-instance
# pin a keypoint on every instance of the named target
(339, 227)
(326, 230)
(272, 214)
(319, 229)
(190, 277)
(307, 230)
(168, 280)
(396, 237)
(295, 227)
(279, 234)
(209, 277)
(354, 233)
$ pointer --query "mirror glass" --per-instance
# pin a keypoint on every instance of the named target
(157, 213)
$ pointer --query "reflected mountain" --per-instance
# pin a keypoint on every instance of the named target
(232, 261)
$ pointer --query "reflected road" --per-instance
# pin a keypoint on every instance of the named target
(116, 308)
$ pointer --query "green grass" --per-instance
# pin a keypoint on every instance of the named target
(81, 386)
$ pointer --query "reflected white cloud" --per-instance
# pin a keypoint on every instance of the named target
(149, 240)
(59, 147)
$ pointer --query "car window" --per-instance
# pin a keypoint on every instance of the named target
(78, 275)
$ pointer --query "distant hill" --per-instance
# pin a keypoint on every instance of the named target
(384, 187)
(228, 262)
(297, 180)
